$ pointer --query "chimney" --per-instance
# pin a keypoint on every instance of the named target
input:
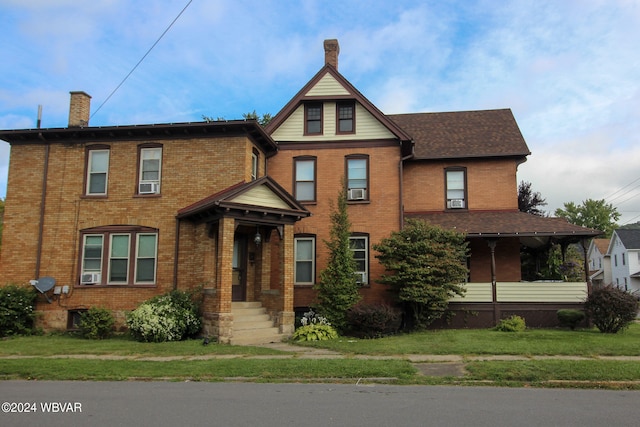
(331, 52)
(79, 109)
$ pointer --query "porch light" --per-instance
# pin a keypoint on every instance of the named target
(257, 239)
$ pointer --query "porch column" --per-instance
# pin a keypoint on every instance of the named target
(224, 275)
(287, 315)
(494, 292)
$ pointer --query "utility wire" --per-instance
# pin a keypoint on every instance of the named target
(142, 59)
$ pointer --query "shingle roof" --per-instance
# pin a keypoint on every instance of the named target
(505, 224)
(629, 237)
(463, 134)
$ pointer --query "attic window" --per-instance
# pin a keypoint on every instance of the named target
(313, 118)
(346, 117)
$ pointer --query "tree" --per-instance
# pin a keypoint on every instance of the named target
(338, 288)
(528, 201)
(596, 214)
(428, 266)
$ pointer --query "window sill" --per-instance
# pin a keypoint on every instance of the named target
(303, 285)
(94, 196)
(118, 285)
(147, 196)
(358, 202)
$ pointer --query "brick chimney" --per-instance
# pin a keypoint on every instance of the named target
(331, 52)
(79, 109)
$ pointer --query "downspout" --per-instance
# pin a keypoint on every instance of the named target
(401, 198)
(176, 253)
(43, 198)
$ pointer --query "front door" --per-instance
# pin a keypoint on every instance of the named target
(239, 265)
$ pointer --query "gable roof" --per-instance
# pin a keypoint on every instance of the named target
(348, 91)
(262, 200)
(464, 134)
(630, 238)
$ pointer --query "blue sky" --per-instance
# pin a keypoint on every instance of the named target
(569, 70)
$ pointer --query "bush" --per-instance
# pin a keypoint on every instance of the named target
(511, 324)
(96, 323)
(611, 309)
(570, 318)
(314, 328)
(373, 320)
(17, 314)
(170, 317)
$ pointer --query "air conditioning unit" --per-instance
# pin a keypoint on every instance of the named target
(148, 188)
(361, 278)
(90, 278)
(456, 204)
(357, 193)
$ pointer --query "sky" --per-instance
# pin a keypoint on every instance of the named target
(568, 69)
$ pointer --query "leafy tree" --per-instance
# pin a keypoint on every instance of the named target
(428, 266)
(596, 214)
(338, 288)
(529, 201)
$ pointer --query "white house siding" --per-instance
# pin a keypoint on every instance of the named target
(367, 126)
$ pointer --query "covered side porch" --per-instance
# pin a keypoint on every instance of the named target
(495, 288)
(237, 246)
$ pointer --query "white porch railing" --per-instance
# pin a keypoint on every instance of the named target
(573, 292)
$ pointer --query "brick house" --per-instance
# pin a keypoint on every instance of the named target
(121, 213)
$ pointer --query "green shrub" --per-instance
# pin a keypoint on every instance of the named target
(17, 314)
(511, 324)
(169, 317)
(611, 309)
(570, 318)
(96, 323)
(373, 320)
(315, 332)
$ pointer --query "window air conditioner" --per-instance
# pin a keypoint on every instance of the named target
(357, 193)
(148, 188)
(360, 278)
(90, 278)
(456, 204)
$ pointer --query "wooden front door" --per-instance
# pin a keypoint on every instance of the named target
(239, 265)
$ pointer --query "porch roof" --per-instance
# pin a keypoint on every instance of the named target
(532, 229)
(262, 201)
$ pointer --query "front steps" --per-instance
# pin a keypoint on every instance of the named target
(252, 325)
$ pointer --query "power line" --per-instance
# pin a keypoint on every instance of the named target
(620, 189)
(142, 59)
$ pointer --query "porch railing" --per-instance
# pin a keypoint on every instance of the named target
(525, 292)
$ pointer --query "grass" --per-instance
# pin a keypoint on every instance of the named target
(585, 343)
(55, 357)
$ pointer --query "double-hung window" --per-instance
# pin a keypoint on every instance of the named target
(346, 117)
(456, 181)
(255, 157)
(97, 172)
(119, 255)
(313, 118)
(305, 260)
(357, 177)
(359, 245)
(305, 179)
(150, 170)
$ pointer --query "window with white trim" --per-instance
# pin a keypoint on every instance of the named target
(359, 245)
(305, 260)
(97, 172)
(357, 177)
(305, 179)
(119, 255)
(254, 165)
(150, 170)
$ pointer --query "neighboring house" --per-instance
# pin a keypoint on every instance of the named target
(599, 262)
(118, 214)
(624, 254)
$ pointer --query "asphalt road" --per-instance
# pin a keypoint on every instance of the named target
(70, 403)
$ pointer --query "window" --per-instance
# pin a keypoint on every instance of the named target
(346, 116)
(359, 245)
(313, 119)
(357, 178)
(97, 172)
(305, 179)
(254, 165)
(150, 170)
(624, 261)
(119, 255)
(305, 256)
(456, 188)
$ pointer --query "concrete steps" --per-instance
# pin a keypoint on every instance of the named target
(252, 325)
